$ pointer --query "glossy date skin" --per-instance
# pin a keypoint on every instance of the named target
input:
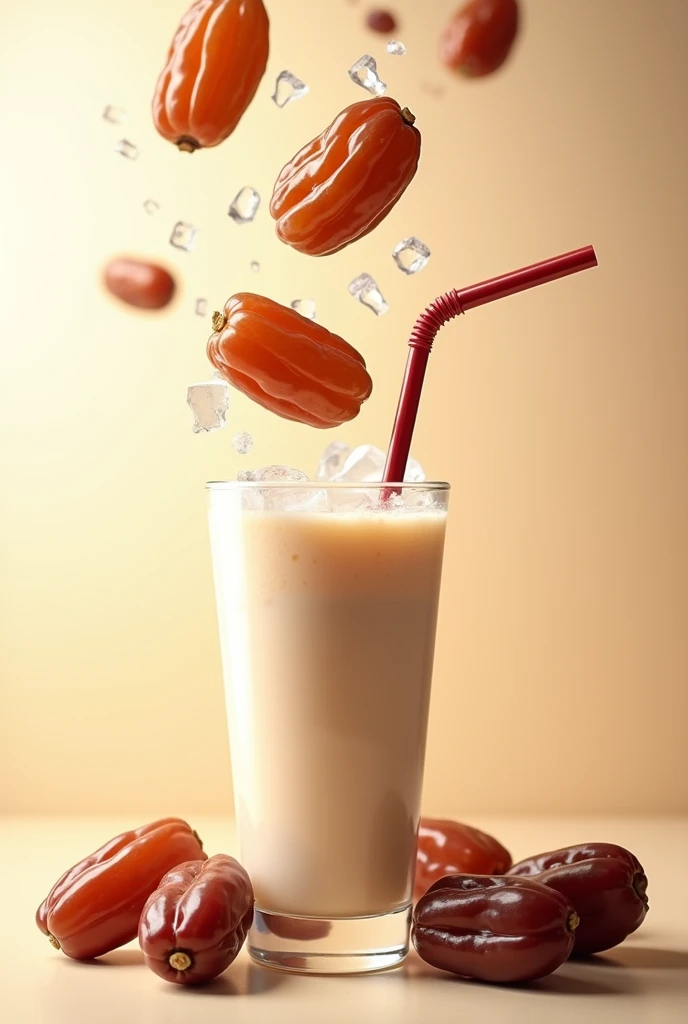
(193, 926)
(479, 36)
(95, 906)
(287, 363)
(139, 283)
(493, 928)
(605, 883)
(214, 65)
(343, 183)
(448, 847)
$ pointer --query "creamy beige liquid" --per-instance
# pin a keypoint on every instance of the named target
(327, 627)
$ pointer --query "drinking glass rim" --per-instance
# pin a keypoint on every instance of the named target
(325, 485)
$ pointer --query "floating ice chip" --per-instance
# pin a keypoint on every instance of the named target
(411, 255)
(365, 464)
(201, 307)
(332, 460)
(306, 307)
(208, 402)
(287, 88)
(255, 266)
(244, 206)
(364, 73)
(396, 48)
(365, 289)
(242, 443)
(183, 236)
(115, 115)
(151, 206)
(127, 149)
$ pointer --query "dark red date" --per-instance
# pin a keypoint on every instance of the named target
(478, 38)
(195, 923)
(139, 283)
(605, 883)
(450, 848)
(497, 929)
(381, 21)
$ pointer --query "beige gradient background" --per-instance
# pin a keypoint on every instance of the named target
(559, 416)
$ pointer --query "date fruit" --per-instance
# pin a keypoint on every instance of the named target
(95, 906)
(195, 923)
(139, 283)
(493, 928)
(450, 848)
(478, 38)
(605, 883)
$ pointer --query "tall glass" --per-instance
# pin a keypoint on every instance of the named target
(327, 604)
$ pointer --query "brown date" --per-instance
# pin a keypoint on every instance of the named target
(381, 21)
(450, 848)
(194, 924)
(605, 883)
(493, 928)
(478, 38)
(139, 283)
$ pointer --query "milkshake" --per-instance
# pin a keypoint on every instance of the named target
(327, 628)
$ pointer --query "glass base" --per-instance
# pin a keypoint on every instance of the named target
(317, 945)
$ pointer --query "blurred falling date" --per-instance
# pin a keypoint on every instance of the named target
(214, 65)
(139, 283)
(381, 21)
(606, 885)
(478, 37)
(194, 924)
(497, 929)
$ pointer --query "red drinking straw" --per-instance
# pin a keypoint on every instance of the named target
(445, 308)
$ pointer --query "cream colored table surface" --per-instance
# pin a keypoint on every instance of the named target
(645, 980)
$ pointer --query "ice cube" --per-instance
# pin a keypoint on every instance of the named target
(287, 88)
(366, 463)
(246, 476)
(411, 255)
(365, 289)
(244, 206)
(331, 460)
(288, 499)
(396, 48)
(208, 402)
(151, 206)
(183, 236)
(348, 500)
(242, 443)
(306, 307)
(364, 73)
(115, 115)
(280, 474)
(201, 307)
(127, 149)
(255, 266)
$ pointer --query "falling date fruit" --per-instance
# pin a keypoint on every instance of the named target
(381, 21)
(478, 37)
(139, 283)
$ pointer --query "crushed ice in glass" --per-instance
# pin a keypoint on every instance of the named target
(242, 443)
(151, 206)
(411, 255)
(127, 149)
(365, 464)
(287, 88)
(115, 115)
(255, 266)
(396, 48)
(208, 402)
(183, 236)
(201, 307)
(244, 206)
(365, 289)
(364, 73)
(331, 460)
(306, 307)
